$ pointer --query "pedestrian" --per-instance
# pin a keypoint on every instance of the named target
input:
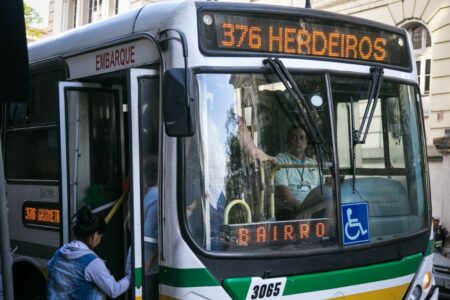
(76, 272)
(440, 234)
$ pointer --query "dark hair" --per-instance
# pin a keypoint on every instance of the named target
(87, 224)
(291, 130)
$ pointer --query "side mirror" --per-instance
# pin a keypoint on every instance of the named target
(177, 103)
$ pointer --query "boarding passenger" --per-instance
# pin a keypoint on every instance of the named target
(76, 272)
(293, 184)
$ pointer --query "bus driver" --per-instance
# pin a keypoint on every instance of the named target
(293, 184)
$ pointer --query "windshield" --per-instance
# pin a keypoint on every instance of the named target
(386, 170)
(256, 180)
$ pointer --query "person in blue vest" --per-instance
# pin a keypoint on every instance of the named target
(76, 272)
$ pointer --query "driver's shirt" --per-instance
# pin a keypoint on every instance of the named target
(300, 181)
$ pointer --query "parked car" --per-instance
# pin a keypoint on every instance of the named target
(441, 272)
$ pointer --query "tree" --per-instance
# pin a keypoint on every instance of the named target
(32, 17)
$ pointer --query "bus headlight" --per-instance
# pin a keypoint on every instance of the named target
(427, 278)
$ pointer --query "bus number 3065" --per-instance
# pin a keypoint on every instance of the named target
(266, 290)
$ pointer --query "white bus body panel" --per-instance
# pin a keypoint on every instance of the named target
(120, 57)
(35, 193)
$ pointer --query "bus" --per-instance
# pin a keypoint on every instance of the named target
(204, 97)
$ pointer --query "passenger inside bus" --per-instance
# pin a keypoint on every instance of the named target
(150, 212)
(292, 185)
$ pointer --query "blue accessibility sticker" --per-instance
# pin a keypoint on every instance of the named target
(355, 223)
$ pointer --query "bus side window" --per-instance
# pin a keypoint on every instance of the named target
(31, 131)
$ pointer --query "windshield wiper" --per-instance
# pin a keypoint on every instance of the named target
(306, 118)
(359, 136)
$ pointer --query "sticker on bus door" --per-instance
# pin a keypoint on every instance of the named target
(260, 288)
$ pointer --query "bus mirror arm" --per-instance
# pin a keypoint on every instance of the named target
(178, 115)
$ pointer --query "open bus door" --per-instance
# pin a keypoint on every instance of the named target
(144, 129)
(92, 162)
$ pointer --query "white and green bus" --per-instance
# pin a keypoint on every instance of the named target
(204, 93)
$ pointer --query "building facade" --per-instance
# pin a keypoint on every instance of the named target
(67, 14)
(427, 21)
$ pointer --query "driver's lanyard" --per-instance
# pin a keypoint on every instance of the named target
(301, 173)
(299, 162)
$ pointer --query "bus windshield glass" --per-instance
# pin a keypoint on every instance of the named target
(256, 181)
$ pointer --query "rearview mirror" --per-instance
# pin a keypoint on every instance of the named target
(177, 103)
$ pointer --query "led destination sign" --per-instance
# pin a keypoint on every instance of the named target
(276, 233)
(302, 36)
(41, 214)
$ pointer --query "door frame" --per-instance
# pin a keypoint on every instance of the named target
(135, 170)
(63, 88)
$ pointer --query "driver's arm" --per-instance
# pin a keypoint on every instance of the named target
(284, 194)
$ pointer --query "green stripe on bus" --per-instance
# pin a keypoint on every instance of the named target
(430, 247)
(33, 249)
(238, 287)
(334, 279)
(138, 277)
(186, 277)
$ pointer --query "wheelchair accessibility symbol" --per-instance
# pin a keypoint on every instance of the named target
(355, 220)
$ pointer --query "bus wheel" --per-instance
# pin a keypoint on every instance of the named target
(29, 282)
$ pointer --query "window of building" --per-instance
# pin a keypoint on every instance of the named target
(75, 14)
(420, 36)
(423, 74)
(73, 17)
(421, 40)
(95, 10)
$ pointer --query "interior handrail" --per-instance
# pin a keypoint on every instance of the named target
(236, 202)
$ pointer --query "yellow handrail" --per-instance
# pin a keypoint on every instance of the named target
(114, 209)
(233, 203)
(263, 190)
